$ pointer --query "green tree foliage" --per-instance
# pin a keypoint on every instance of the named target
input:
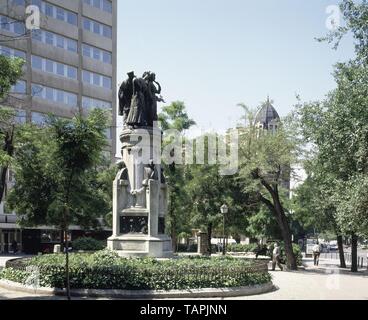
(338, 127)
(266, 158)
(175, 117)
(56, 175)
(10, 72)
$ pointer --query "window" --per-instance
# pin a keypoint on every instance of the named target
(72, 72)
(72, 45)
(96, 79)
(12, 53)
(37, 62)
(54, 67)
(107, 32)
(50, 94)
(37, 35)
(106, 82)
(60, 69)
(38, 118)
(72, 18)
(37, 91)
(11, 25)
(60, 42)
(86, 77)
(49, 38)
(56, 40)
(98, 28)
(49, 10)
(20, 116)
(107, 6)
(107, 57)
(19, 87)
(49, 66)
(18, 3)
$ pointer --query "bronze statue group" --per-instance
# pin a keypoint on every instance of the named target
(138, 99)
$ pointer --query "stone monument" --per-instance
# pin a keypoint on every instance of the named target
(139, 189)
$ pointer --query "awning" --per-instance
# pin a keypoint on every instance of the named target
(9, 226)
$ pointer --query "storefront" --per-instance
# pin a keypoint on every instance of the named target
(35, 240)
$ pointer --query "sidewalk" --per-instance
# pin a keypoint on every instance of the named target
(325, 282)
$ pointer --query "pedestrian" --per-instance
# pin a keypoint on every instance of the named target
(14, 246)
(276, 257)
(316, 253)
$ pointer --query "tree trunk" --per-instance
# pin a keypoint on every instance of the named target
(3, 182)
(67, 276)
(209, 237)
(277, 209)
(9, 149)
(354, 252)
(341, 251)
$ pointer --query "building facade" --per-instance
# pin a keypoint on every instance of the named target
(70, 67)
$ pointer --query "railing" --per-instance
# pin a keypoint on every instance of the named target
(362, 261)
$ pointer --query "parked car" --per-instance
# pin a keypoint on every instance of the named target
(333, 246)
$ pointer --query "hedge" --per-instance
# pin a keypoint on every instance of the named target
(105, 270)
(88, 244)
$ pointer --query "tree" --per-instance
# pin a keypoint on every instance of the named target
(10, 72)
(56, 176)
(338, 126)
(175, 117)
(265, 159)
(314, 205)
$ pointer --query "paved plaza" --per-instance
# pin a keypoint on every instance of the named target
(326, 282)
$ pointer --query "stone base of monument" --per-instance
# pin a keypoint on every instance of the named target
(139, 246)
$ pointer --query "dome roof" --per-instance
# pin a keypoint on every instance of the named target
(267, 114)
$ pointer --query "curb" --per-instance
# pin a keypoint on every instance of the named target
(136, 294)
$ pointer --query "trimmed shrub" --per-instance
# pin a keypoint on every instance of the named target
(253, 247)
(106, 270)
(88, 244)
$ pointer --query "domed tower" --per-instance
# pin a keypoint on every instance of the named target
(267, 117)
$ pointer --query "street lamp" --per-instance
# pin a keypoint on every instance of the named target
(224, 209)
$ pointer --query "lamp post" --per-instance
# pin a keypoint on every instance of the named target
(224, 209)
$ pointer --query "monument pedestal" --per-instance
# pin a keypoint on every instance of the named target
(140, 198)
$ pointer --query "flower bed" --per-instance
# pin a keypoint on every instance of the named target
(105, 270)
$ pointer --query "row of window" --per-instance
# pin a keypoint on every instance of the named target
(38, 118)
(72, 18)
(55, 40)
(96, 54)
(90, 103)
(96, 79)
(54, 67)
(54, 95)
(104, 5)
(11, 25)
(12, 53)
(70, 72)
(56, 12)
(97, 28)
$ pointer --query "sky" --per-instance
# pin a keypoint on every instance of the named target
(214, 54)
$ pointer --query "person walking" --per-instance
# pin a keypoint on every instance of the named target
(276, 257)
(316, 253)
